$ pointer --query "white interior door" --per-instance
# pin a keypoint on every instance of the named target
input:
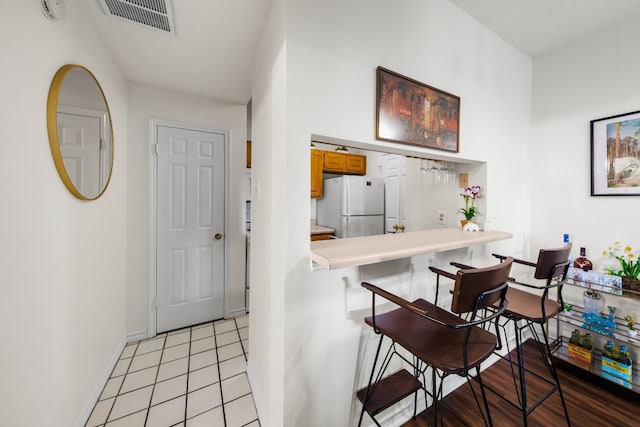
(394, 173)
(189, 227)
(79, 136)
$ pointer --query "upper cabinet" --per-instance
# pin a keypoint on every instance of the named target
(248, 154)
(316, 174)
(344, 163)
(333, 162)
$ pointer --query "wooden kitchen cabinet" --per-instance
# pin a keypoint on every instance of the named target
(316, 174)
(354, 164)
(321, 236)
(332, 162)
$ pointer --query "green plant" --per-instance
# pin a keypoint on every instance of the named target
(627, 257)
(630, 322)
(469, 195)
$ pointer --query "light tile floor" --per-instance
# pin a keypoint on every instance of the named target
(190, 377)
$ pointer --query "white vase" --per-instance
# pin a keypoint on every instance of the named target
(469, 226)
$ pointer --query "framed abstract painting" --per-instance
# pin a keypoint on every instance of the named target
(411, 112)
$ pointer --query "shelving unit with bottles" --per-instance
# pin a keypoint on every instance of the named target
(575, 319)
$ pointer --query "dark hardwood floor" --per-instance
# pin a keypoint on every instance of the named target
(587, 403)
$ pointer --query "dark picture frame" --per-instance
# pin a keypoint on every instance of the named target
(414, 113)
(615, 155)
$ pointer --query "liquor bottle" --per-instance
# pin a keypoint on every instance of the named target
(566, 241)
(582, 262)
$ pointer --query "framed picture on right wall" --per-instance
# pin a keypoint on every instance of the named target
(615, 155)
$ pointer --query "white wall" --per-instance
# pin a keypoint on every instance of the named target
(146, 102)
(269, 198)
(591, 79)
(332, 50)
(63, 260)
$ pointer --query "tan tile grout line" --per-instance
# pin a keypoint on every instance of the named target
(224, 412)
(165, 337)
(153, 389)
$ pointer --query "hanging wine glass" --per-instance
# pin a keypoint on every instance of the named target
(445, 172)
(429, 171)
(422, 173)
(438, 172)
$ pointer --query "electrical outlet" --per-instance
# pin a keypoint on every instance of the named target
(464, 180)
(442, 217)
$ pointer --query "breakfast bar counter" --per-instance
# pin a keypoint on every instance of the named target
(356, 251)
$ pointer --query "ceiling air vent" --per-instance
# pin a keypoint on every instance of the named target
(157, 14)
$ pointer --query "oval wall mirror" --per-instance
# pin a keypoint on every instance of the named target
(80, 131)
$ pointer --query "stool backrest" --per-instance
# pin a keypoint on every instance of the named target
(548, 259)
(473, 289)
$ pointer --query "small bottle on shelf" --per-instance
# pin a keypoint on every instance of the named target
(625, 355)
(566, 241)
(587, 342)
(582, 262)
(608, 350)
(575, 336)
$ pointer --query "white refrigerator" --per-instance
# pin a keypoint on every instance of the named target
(352, 205)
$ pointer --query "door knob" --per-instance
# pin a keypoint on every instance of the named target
(218, 236)
(401, 227)
(395, 227)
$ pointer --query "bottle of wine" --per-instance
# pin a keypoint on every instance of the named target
(565, 239)
(582, 262)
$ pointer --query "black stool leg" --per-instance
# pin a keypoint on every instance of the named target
(554, 373)
(484, 396)
(499, 345)
(521, 372)
(369, 391)
(545, 353)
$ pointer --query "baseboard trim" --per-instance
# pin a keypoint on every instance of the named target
(238, 312)
(86, 413)
(256, 399)
(138, 336)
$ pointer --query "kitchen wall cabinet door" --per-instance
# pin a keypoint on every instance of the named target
(353, 164)
(334, 162)
(248, 154)
(316, 174)
(356, 164)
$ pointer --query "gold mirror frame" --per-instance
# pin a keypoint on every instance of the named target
(52, 130)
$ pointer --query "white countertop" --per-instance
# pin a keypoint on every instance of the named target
(340, 253)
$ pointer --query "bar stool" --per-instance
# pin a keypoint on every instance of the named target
(436, 339)
(525, 311)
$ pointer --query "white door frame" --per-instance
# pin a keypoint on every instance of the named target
(106, 146)
(153, 177)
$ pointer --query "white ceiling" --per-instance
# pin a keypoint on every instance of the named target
(539, 26)
(211, 53)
